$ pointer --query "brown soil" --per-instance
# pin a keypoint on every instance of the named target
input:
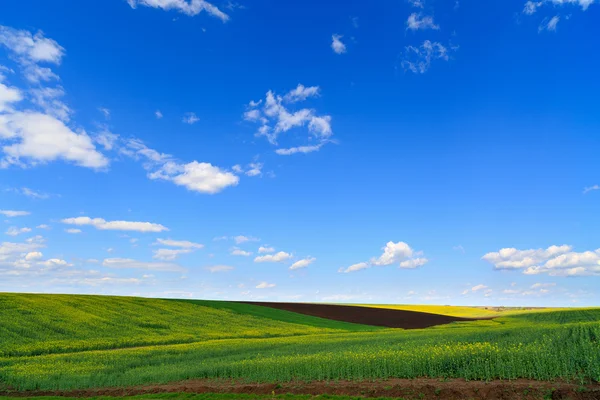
(421, 389)
(367, 315)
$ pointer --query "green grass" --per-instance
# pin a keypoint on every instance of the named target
(263, 345)
(46, 324)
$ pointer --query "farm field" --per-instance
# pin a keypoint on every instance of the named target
(63, 343)
(460, 311)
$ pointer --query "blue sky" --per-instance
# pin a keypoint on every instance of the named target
(388, 152)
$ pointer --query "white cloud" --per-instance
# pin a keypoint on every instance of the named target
(102, 224)
(301, 93)
(14, 231)
(190, 118)
(277, 257)
(35, 48)
(337, 45)
(12, 213)
(106, 139)
(417, 21)
(265, 285)
(591, 188)
(199, 177)
(54, 262)
(128, 263)
(554, 261)
(239, 252)
(243, 239)
(253, 169)
(33, 256)
(39, 138)
(418, 59)
(393, 253)
(220, 268)
(189, 7)
(158, 114)
(263, 249)
(549, 24)
(169, 254)
(179, 243)
(303, 263)
(459, 248)
(414, 263)
(43, 226)
(8, 95)
(477, 288)
(73, 231)
(48, 99)
(355, 267)
(36, 74)
(531, 7)
(511, 258)
(416, 3)
(275, 117)
(299, 149)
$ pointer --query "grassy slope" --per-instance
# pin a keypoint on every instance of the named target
(39, 324)
(548, 345)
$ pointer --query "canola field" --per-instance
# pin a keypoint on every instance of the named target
(92, 342)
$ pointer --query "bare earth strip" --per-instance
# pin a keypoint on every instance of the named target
(386, 317)
(398, 388)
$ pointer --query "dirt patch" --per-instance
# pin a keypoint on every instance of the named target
(367, 315)
(422, 389)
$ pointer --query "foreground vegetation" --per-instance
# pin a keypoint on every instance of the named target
(265, 347)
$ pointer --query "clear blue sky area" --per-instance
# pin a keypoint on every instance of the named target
(413, 151)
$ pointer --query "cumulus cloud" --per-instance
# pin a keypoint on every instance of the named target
(276, 116)
(102, 224)
(265, 285)
(239, 252)
(418, 59)
(128, 263)
(13, 213)
(303, 263)
(8, 95)
(196, 176)
(188, 7)
(158, 114)
(337, 45)
(35, 48)
(264, 249)
(554, 261)
(418, 21)
(277, 257)
(393, 253)
(39, 138)
(73, 231)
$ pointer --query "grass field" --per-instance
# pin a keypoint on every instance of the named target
(68, 342)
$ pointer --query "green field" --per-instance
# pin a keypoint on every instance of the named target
(67, 342)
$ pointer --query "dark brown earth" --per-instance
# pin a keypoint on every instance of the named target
(367, 315)
(413, 389)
